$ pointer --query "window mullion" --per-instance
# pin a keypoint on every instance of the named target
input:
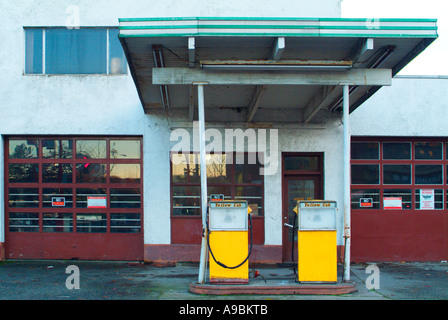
(107, 51)
(43, 51)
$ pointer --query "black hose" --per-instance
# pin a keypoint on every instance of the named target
(294, 265)
(222, 264)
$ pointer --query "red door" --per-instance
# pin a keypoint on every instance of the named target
(74, 198)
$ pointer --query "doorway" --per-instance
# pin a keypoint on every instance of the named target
(301, 180)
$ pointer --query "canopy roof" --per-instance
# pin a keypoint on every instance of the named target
(267, 70)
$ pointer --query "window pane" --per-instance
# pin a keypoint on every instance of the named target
(310, 163)
(396, 150)
(125, 223)
(23, 197)
(396, 174)
(365, 150)
(23, 149)
(249, 171)
(23, 222)
(57, 197)
(186, 200)
(428, 174)
(396, 198)
(428, 199)
(57, 149)
(253, 196)
(23, 172)
(124, 173)
(57, 173)
(75, 51)
(82, 196)
(91, 172)
(117, 59)
(125, 149)
(185, 168)
(218, 170)
(91, 222)
(91, 149)
(57, 222)
(125, 198)
(365, 174)
(33, 51)
(225, 190)
(428, 150)
(365, 199)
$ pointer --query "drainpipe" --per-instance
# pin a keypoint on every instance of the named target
(346, 121)
(201, 114)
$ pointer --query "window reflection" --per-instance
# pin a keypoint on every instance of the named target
(23, 173)
(235, 177)
(124, 173)
(23, 149)
(91, 173)
(218, 171)
(57, 173)
(428, 150)
(57, 149)
(91, 149)
(396, 150)
(125, 149)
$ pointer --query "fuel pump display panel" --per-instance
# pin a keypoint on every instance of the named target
(226, 215)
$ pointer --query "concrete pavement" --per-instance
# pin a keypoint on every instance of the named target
(89, 280)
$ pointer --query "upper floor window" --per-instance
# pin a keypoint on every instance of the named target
(73, 51)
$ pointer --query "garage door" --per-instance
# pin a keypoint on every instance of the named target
(74, 198)
(399, 199)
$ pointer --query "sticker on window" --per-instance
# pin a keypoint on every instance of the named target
(96, 202)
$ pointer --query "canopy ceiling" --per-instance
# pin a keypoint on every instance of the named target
(267, 70)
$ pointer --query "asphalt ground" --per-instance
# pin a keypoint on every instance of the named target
(168, 286)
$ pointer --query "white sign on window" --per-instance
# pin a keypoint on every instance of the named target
(427, 199)
(392, 203)
(96, 202)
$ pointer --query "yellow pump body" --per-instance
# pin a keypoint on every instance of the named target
(316, 241)
(228, 242)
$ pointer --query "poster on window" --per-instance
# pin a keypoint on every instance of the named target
(427, 199)
(96, 202)
(392, 203)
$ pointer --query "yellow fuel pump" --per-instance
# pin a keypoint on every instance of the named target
(316, 241)
(228, 223)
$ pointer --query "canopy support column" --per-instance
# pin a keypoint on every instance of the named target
(347, 196)
(201, 114)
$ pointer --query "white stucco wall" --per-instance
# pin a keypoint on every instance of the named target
(412, 106)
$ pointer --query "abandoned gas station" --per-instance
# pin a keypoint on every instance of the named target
(301, 77)
(278, 111)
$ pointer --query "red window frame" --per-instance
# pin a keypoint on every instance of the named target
(413, 186)
(73, 185)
